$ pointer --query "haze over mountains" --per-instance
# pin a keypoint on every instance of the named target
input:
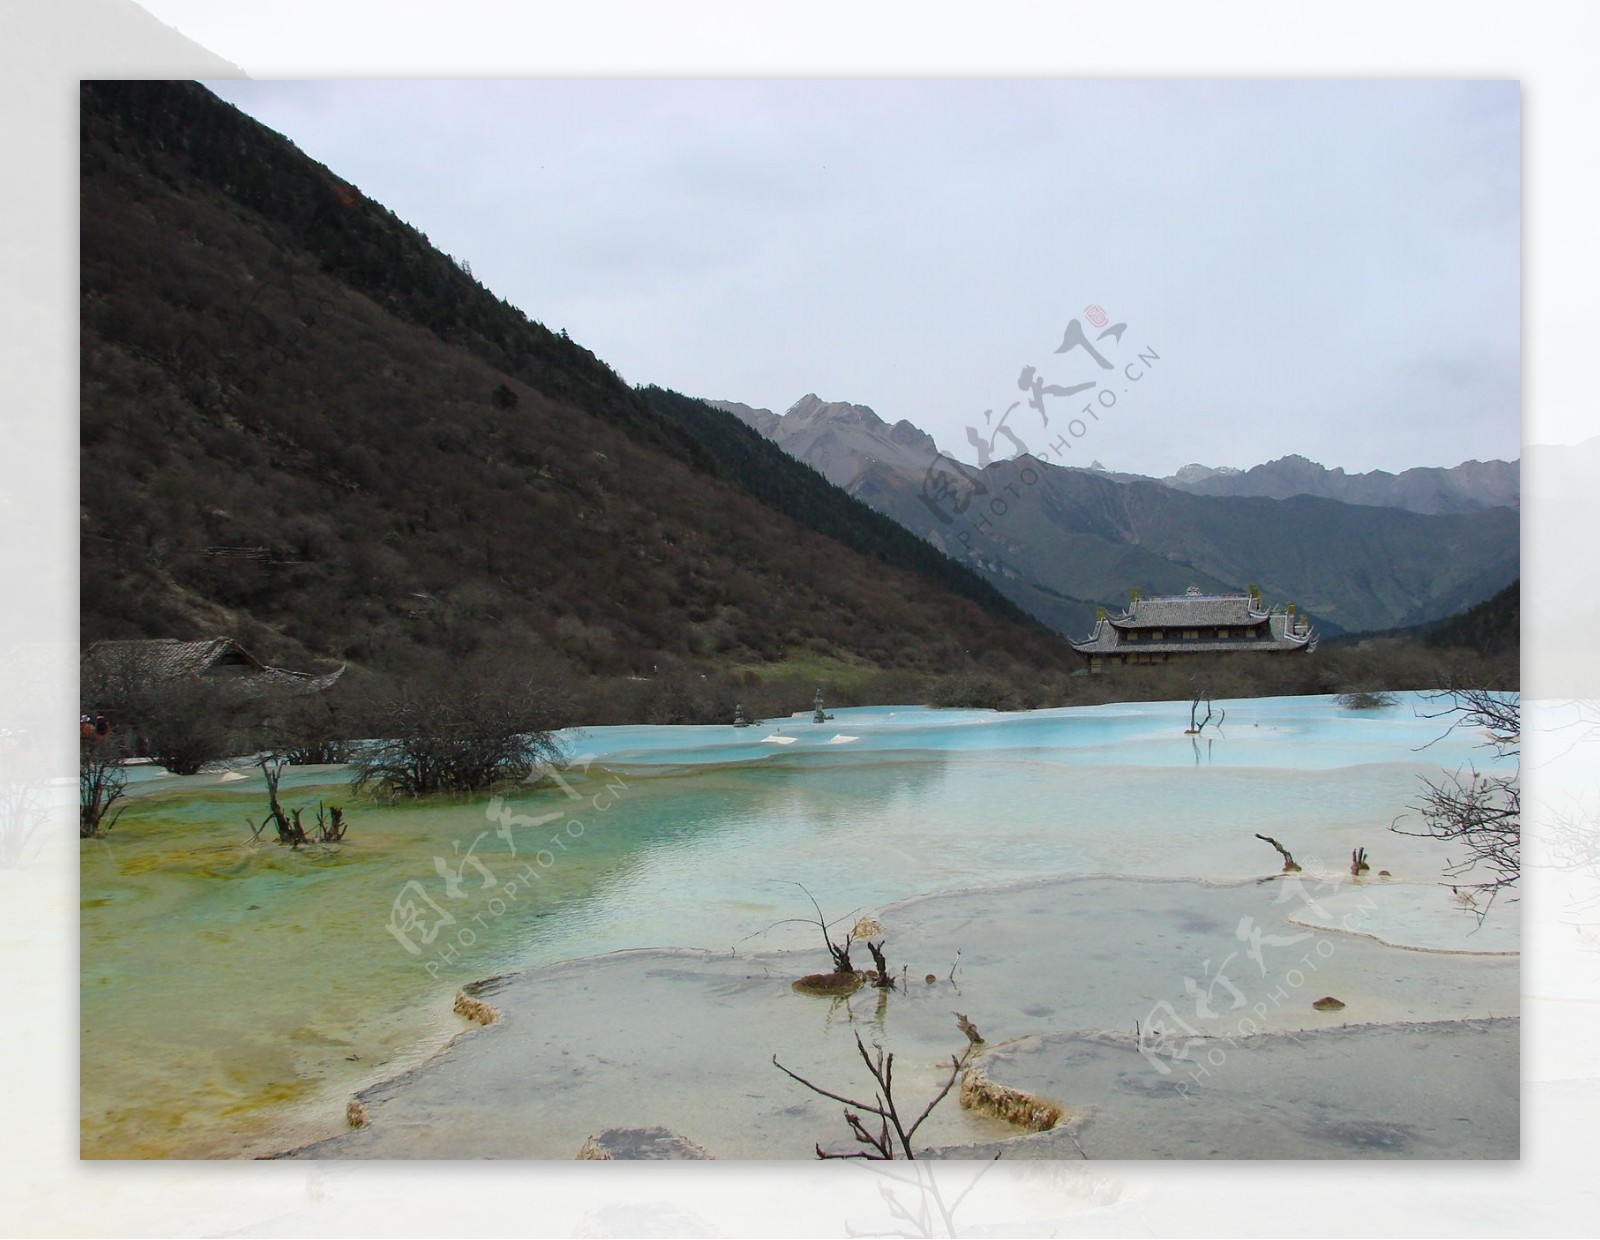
(1361, 552)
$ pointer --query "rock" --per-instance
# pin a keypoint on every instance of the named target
(474, 1009)
(930, 979)
(829, 984)
(632, 1143)
(1328, 1004)
(979, 1093)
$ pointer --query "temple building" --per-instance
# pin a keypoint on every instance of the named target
(1184, 626)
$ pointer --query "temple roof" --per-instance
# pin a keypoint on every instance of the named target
(1173, 614)
(1182, 611)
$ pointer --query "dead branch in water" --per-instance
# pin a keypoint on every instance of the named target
(1289, 864)
(881, 1145)
(885, 979)
(331, 825)
(839, 953)
(1196, 728)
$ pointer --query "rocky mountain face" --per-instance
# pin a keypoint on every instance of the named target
(1467, 487)
(1359, 552)
(837, 439)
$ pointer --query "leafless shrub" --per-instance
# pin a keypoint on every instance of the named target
(101, 781)
(1479, 813)
(456, 741)
(1364, 699)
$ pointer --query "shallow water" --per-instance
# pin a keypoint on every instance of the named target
(233, 996)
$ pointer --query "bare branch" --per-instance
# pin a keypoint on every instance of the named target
(1479, 812)
(1290, 866)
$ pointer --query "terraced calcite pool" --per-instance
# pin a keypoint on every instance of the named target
(1085, 884)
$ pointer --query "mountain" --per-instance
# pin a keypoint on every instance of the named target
(1467, 487)
(305, 428)
(1492, 627)
(1063, 541)
(1191, 475)
(839, 440)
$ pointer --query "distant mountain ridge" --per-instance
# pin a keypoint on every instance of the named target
(1063, 541)
(1466, 487)
(840, 439)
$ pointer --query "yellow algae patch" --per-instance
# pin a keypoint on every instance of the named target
(474, 1009)
(979, 1093)
(828, 984)
(271, 1094)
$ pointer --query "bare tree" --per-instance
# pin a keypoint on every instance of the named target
(101, 781)
(1479, 813)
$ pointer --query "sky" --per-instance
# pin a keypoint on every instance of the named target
(1329, 268)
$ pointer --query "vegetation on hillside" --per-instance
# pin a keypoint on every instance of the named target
(297, 431)
(1494, 626)
(799, 491)
(304, 428)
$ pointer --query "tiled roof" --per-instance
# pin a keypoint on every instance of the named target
(1109, 638)
(167, 658)
(1187, 611)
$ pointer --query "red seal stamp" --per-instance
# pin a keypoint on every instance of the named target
(1096, 315)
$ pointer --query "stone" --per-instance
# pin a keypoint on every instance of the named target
(640, 1143)
(1328, 1004)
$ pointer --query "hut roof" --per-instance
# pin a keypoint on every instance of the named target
(168, 658)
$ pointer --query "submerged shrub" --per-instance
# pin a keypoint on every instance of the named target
(461, 741)
(1364, 699)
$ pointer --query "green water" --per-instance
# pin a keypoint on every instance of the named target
(224, 982)
(235, 995)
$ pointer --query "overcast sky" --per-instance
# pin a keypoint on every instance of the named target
(1324, 268)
